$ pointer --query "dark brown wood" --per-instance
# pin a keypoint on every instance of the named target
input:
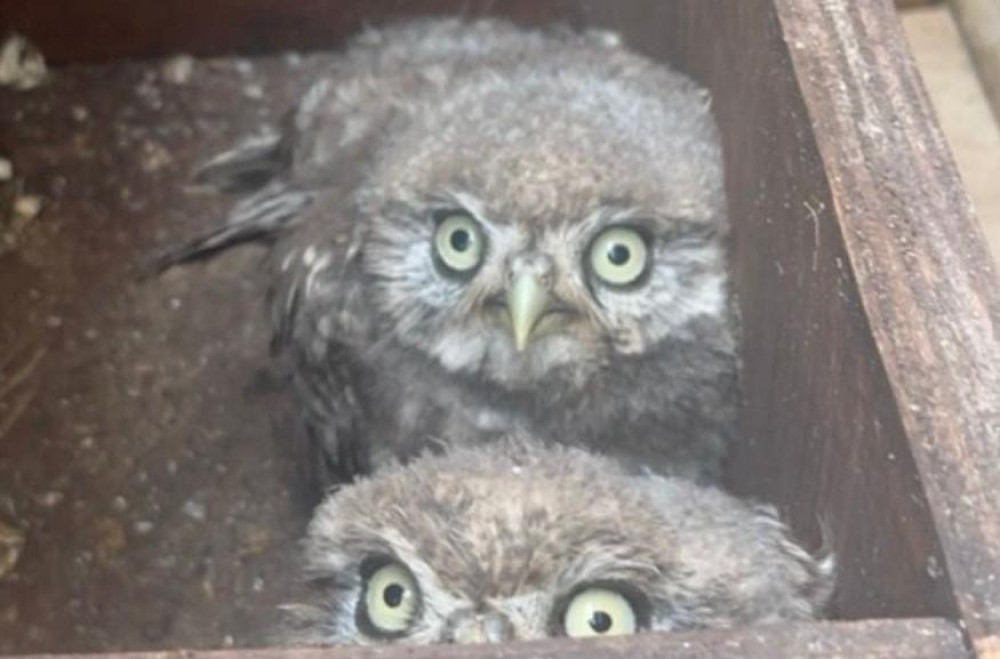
(898, 639)
(926, 279)
(104, 30)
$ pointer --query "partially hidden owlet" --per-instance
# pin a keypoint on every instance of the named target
(517, 541)
(480, 228)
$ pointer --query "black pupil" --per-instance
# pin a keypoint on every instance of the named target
(393, 595)
(619, 254)
(600, 622)
(460, 240)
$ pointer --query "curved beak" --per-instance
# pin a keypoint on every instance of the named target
(527, 301)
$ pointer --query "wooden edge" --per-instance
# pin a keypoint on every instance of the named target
(979, 21)
(885, 639)
(927, 282)
(96, 31)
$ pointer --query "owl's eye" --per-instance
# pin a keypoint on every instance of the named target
(459, 243)
(619, 255)
(600, 612)
(390, 600)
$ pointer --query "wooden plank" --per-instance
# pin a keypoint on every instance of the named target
(926, 279)
(896, 639)
(980, 24)
(70, 31)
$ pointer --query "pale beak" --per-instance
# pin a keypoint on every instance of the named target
(527, 301)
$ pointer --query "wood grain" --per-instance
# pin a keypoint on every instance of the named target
(927, 283)
(70, 31)
(897, 639)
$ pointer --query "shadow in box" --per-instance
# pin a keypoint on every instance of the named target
(870, 304)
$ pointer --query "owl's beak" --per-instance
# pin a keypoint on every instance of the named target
(527, 301)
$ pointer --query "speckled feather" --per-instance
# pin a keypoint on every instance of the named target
(507, 532)
(544, 138)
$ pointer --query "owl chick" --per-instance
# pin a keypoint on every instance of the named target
(536, 241)
(519, 541)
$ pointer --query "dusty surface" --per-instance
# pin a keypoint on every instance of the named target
(962, 108)
(148, 473)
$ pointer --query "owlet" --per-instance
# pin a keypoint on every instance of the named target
(480, 229)
(518, 541)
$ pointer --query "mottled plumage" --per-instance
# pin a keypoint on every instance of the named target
(536, 224)
(494, 543)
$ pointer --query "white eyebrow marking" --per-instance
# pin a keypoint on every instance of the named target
(472, 204)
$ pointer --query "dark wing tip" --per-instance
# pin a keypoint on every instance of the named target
(260, 218)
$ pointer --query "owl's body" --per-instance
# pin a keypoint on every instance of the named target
(517, 541)
(536, 230)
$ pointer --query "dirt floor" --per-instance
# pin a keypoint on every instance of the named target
(150, 495)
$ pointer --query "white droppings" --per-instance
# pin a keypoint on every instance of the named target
(28, 206)
(253, 91)
(143, 527)
(51, 499)
(178, 69)
(155, 157)
(22, 65)
(79, 113)
(244, 67)
(195, 510)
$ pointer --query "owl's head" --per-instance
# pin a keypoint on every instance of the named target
(514, 541)
(544, 213)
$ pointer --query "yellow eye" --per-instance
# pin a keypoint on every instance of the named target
(599, 612)
(459, 243)
(619, 256)
(391, 599)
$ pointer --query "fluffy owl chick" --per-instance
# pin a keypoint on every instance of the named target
(537, 224)
(517, 541)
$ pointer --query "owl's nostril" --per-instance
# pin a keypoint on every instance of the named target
(468, 628)
(539, 266)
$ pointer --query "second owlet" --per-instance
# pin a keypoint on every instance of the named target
(536, 225)
(517, 541)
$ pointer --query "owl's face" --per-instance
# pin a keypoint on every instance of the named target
(517, 542)
(547, 223)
